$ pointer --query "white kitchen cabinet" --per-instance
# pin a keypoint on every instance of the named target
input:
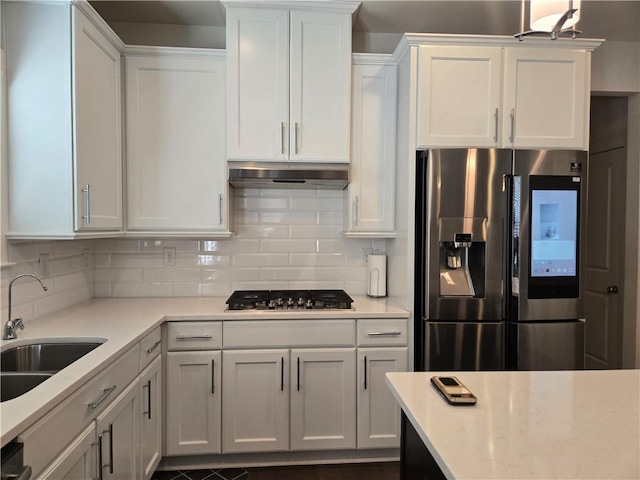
(459, 96)
(371, 199)
(176, 166)
(323, 403)
(498, 96)
(382, 348)
(279, 107)
(255, 401)
(64, 115)
(193, 396)
(117, 429)
(78, 461)
(378, 411)
(150, 412)
(546, 98)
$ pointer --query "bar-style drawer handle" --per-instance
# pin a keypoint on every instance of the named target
(154, 346)
(384, 334)
(193, 337)
(105, 394)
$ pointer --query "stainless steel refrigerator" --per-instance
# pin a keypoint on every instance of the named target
(500, 238)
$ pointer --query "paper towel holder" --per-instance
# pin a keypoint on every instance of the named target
(377, 281)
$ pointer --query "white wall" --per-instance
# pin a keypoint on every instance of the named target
(286, 239)
(163, 35)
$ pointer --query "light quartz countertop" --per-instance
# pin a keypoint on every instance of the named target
(121, 323)
(529, 425)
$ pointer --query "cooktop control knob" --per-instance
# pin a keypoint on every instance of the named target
(290, 302)
(309, 304)
(272, 304)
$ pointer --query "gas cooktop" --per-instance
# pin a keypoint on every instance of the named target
(289, 300)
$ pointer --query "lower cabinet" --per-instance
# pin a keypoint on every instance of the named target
(378, 411)
(193, 403)
(323, 399)
(150, 414)
(255, 401)
(118, 438)
(280, 400)
(75, 463)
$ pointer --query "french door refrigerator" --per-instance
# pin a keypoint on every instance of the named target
(500, 237)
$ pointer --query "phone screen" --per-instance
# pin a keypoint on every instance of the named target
(449, 381)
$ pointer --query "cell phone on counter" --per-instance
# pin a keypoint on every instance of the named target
(453, 391)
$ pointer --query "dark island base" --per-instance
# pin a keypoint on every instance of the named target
(416, 462)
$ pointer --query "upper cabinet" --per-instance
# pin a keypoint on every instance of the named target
(64, 132)
(496, 95)
(176, 166)
(279, 107)
(370, 208)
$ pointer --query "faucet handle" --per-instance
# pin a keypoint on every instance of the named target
(18, 323)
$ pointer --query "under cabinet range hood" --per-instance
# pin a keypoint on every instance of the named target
(334, 176)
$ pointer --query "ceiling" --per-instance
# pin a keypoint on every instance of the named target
(613, 20)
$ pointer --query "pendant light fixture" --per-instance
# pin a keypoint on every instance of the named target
(551, 17)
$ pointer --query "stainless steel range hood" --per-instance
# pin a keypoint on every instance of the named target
(333, 176)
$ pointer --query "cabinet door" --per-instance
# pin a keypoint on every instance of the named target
(150, 418)
(323, 403)
(320, 86)
(255, 401)
(193, 403)
(459, 96)
(77, 462)
(372, 182)
(258, 83)
(118, 436)
(97, 125)
(546, 98)
(176, 166)
(378, 411)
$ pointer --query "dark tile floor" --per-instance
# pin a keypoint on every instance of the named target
(360, 471)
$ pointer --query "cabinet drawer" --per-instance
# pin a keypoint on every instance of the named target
(68, 419)
(194, 335)
(388, 332)
(289, 333)
(150, 347)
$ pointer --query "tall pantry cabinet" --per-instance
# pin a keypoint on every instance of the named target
(64, 130)
(280, 108)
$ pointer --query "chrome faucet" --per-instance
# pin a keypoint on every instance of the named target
(13, 324)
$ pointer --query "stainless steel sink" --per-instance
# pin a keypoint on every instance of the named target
(44, 357)
(24, 367)
(14, 384)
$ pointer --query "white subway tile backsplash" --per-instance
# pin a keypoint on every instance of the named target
(129, 260)
(53, 303)
(290, 218)
(262, 231)
(287, 274)
(141, 290)
(261, 260)
(316, 231)
(289, 246)
(320, 259)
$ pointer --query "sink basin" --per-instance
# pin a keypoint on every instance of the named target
(44, 357)
(13, 384)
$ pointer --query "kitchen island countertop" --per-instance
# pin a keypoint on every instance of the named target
(121, 323)
(529, 425)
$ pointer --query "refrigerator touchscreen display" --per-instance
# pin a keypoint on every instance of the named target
(554, 233)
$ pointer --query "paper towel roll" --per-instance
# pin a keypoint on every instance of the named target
(377, 271)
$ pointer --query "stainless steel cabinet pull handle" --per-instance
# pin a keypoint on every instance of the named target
(512, 115)
(298, 375)
(110, 432)
(384, 334)
(495, 135)
(355, 211)
(365, 372)
(154, 346)
(295, 138)
(193, 337)
(282, 137)
(105, 394)
(282, 374)
(148, 387)
(87, 204)
(25, 473)
(100, 465)
(220, 207)
(213, 373)
(110, 447)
